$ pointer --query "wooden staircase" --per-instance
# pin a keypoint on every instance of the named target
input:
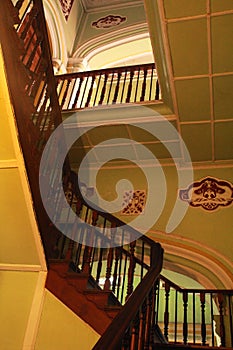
(95, 306)
(116, 289)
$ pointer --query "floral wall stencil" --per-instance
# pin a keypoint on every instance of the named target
(66, 6)
(208, 193)
(108, 22)
(133, 202)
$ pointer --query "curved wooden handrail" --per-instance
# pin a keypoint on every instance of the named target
(104, 71)
(131, 84)
(116, 331)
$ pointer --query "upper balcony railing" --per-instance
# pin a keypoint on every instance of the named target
(133, 84)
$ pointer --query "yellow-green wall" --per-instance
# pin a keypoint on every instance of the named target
(61, 329)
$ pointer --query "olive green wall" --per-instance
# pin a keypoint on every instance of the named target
(198, 229)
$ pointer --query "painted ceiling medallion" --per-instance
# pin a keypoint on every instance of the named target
(208, 193)
(108, 22)
(66, 6)
(133, 202)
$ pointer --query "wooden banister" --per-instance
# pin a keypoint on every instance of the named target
(190, 315)
(117, 331)
(132, 84)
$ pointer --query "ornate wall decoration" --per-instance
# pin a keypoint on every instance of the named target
(208, 193)
(66, 6)
(108, 22)
(133, 202)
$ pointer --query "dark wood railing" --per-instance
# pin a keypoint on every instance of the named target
(170, 314)
(131, 84)
(134, 327)
(114, 267)
(195, 316)
(131, 270)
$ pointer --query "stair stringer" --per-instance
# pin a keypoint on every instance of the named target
(71, 289)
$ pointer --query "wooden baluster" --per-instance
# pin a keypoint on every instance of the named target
(151, 83)
(134, 333)
(123, 281)
(99, 266)
(185, 320)
(176, 315)
(157, 90)
(115, 273)
(117, 87)
(142, 259)
(103, 89)
(100, 260)
(78, 93)
(33, 53)
(138, 77)
(119, 274)
(65, 92)
(98, 78)
(166, 312)
(142, 326)
(130, 87)
(212, 319)
(142, 98)
(78, 210)
(110, 88)
(157, 302)
(90, 91)
(148, 325)
(28, 23)
(123, 86)
(230, 305)
(194, 318)
(107, 283)
(221, 313)
(79, 206)
(84, 92)
(126, 340)
(69, 197)
(153, 313)
(203, 324)
(88, 249)
(131, 270)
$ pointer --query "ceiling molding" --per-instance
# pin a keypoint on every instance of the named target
(121, 36)
(103, 5)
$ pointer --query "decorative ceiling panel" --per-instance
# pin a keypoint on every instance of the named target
(105, 4)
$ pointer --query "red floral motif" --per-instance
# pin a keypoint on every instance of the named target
(208, 193)
(134, 202)
(108, 22)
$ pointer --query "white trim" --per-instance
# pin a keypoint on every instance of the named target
(35, 313)
(201, 259)
(103, 42)
(9, 163)
(56, 31)
(20, 267)
(189, 272)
